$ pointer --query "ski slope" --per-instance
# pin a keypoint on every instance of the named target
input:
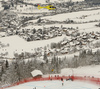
(56, 85)
(92, 70)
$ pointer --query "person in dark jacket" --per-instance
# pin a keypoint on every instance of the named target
(61, 79)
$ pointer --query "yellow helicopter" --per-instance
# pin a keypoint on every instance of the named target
(49, 7)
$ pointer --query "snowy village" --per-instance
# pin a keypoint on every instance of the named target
(49, 44)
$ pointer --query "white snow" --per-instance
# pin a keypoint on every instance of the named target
(93, 70)
(18, 45)
(91, 17)
(36, 72)
(85, 27)
(56, 85)
(64, 1)
(35, 1)
(52, 1)
(87, 16)
(73, 15)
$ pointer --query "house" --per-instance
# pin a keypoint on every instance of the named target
(64, 51)
(2, 34)
(59, 34)
(36, 74)
(64, 43)
(72, 44)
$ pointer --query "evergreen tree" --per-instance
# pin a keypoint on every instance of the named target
(45, 56)
(6, 64)
(39, 20)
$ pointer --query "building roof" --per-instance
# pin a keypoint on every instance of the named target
(36, 72)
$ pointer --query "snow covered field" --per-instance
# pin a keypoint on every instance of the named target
(56, 85)
(79, 17)
(18, 45)
(44, 2)
(93, 14)
(86, 27)
(93, 70)
(73, 15)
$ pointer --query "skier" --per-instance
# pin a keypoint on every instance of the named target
(62, 83)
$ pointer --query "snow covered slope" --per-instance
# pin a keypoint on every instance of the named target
(91, 15)
(56, 85)
(93, 70)
(19, 45)
(44, 1)
(84, 20)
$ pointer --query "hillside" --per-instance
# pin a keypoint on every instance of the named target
(63, 41)
(91, 71)
(18, 45)
(52, 1)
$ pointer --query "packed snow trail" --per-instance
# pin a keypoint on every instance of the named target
(56, 85)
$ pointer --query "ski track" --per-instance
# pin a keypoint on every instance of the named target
(56, 85)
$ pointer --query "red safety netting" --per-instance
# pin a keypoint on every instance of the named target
(73, 78)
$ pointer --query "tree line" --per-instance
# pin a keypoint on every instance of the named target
(21, 69)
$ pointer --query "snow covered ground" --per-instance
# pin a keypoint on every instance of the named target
(44, 2)
(81, 16)
(18, 45)
(93, 70)
(56, 85)
(73, 15)
(86, 27)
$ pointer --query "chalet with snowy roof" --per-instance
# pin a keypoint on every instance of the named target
(36, 74)
(64, 51)
(64, 43)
